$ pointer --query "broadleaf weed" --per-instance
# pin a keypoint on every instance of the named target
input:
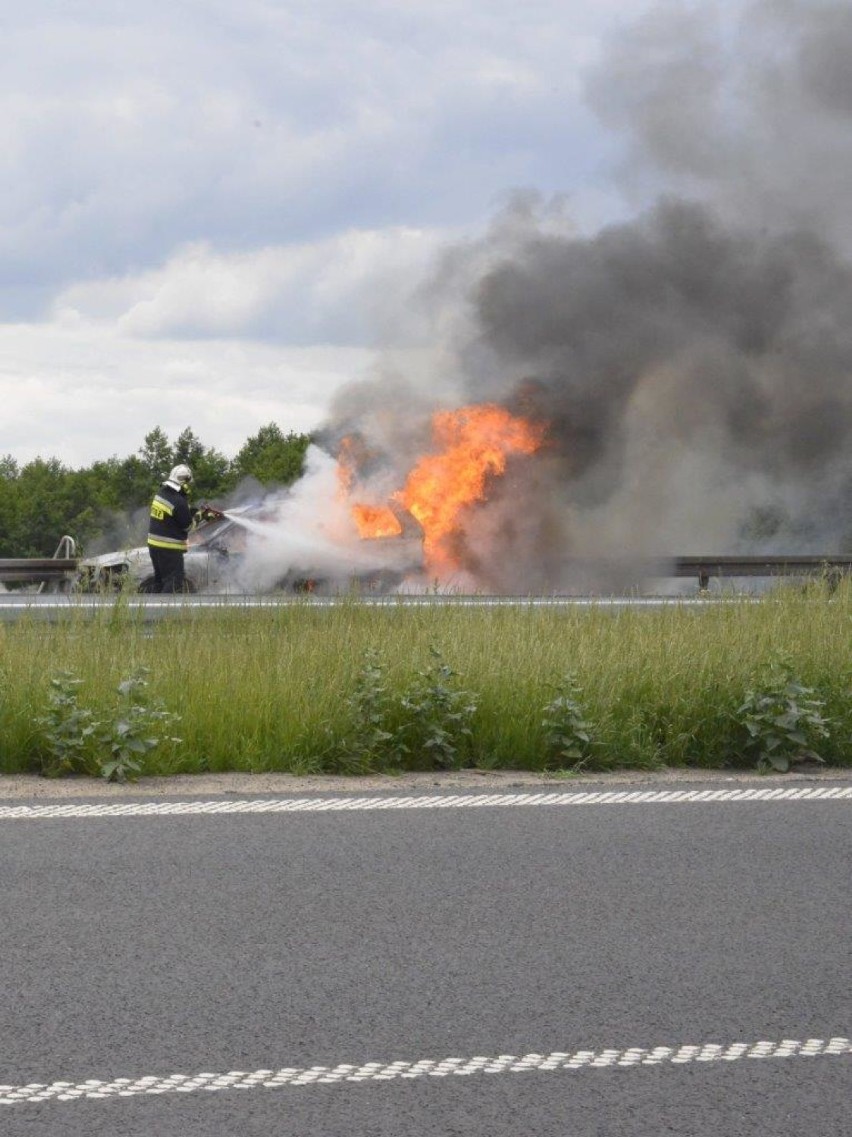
(68, 731)
(783, 720)
(370, 741)
(568, 734)
(438, 714)
(74, 741)
(134, 730)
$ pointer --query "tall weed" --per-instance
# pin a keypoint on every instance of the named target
(439, 714)
(74, 741)
(783, 720)
(277, 689)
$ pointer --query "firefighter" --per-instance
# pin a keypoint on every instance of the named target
(172, 517)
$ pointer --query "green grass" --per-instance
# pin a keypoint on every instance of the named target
(271, 690)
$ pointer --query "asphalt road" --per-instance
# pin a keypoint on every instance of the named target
(150, 947)
(54, 607)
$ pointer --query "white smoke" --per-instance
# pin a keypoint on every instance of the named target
(307, 533)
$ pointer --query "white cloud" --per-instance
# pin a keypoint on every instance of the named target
(83, 394)
(211, 209)
(349, 288)
(128, 132)
(221, 342)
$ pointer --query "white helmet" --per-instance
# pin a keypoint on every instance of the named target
(180, 476)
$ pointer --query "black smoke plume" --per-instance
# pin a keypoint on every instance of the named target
(693, 363)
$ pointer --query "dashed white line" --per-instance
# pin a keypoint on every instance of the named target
(425, 801)
(94, 1089)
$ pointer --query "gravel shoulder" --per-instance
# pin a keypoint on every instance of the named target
(33, 788)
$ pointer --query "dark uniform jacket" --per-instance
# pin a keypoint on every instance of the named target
(171, 518)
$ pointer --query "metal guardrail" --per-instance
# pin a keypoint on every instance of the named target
(61, 568)
(794, 565)
(703, 568)
(21, 570)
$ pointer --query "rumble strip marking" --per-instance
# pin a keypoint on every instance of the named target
(425, 1067)
(425, 801)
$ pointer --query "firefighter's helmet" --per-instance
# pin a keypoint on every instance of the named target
(180, 476)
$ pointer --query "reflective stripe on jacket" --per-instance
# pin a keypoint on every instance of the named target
(171, 518)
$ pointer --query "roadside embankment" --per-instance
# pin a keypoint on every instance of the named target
(355, 690)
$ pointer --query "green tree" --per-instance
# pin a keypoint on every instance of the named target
(209, 468)
(210, 475)
(188, 448)
(52, 501)
(8, 467)
(271, 456)
(10, 519)
(43, 500)
(121, 483)
(156, 454)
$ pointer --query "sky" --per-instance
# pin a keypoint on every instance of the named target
(217, 214)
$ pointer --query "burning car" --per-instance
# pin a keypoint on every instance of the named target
(252, 549)
(342, 525)
(208, 562)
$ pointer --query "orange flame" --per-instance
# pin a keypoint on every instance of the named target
(376, 521)
(346, 465)
(473, 445)
(475, 442)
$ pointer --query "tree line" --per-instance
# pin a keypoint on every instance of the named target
(44, 499)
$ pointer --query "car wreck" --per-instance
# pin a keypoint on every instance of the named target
(250, 550)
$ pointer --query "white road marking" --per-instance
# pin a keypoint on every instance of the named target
(424, 801)
(708, 1052)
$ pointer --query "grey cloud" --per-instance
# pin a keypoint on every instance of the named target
(129, 132)
(824, 62)
(747, 106)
